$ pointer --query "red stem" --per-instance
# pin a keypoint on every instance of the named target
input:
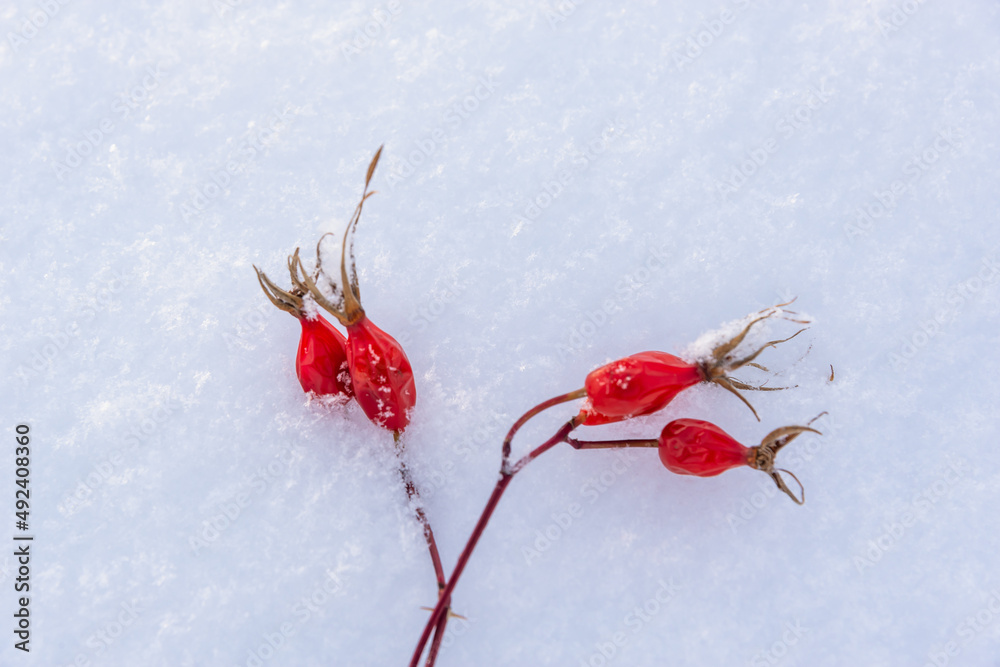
(438, 637)
(414, 496)
(579, 393)
(610, 444)
(506, 475)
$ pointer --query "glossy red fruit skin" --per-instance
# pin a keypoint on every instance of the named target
(381, 375)
(639, 384)
(695, 447)
(321, 360)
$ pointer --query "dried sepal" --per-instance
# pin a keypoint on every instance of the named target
(739, 363)
(721, 360)
(727, 384)
(762, 456)
(774, 441)
(372, 165)
(801, 498)
(290, 302)
(348, 266)
(308, 283)
(751, 387)
(336, 289)
(345, 304)
(723, 349)
(293, 268)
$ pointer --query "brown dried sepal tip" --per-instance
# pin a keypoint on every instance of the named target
(290, 302)
(345, 300)
(762, 456)
(723, 359)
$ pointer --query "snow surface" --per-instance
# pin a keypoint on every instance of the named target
(560, 187)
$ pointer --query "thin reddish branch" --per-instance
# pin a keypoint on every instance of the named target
(438, 637)
(545, 405)
(414, 496)
(610, 444)
(507, 473)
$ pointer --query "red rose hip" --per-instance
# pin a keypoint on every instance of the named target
(321, 360)
(381, 376)
(644, 383)
(639, 384)
(695, 447)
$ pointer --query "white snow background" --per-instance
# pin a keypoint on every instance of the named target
(159, 383)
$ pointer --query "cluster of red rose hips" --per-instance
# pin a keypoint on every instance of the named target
(370, 366)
